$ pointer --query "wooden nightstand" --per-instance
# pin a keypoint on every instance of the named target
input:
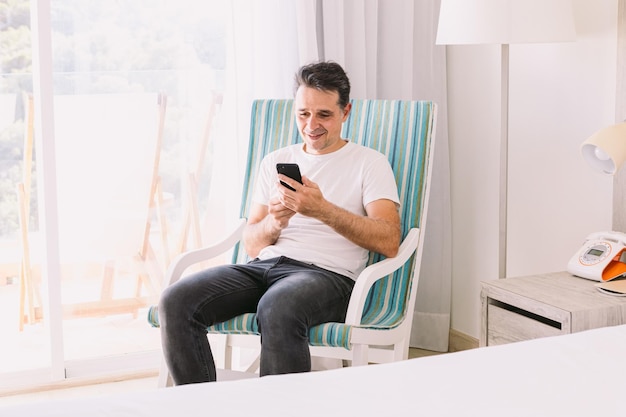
(515, 309)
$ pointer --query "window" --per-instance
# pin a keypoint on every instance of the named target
(137, 88)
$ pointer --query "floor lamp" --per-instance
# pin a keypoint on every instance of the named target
(503, 22)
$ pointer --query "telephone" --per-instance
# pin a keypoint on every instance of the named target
(602, 257)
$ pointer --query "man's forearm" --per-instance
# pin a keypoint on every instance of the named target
(377, 235)
(258, 235)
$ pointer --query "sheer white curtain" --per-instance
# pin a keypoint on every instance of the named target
(388, 49)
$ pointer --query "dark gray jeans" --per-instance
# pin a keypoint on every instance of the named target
(288, 296)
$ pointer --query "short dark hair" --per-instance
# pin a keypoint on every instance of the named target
(325, 76)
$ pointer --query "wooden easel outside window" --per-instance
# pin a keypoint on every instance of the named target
(191, 227)
(28, 291)
(149, 273)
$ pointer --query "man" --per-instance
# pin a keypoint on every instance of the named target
(308, 243)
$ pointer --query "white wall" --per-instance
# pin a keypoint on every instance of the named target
(559, 95)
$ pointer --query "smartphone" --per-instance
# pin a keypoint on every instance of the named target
(290, 170)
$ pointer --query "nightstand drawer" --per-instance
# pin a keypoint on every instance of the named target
(522, 308)
(506, 324)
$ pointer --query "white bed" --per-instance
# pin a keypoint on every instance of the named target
(582, 374)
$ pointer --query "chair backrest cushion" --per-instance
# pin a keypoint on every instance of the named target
(399, 129)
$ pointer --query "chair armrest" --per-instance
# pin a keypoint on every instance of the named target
(376, 271)
(186, 259)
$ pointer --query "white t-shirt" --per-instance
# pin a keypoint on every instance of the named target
(351, 178)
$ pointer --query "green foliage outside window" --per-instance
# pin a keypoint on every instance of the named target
(104, 47)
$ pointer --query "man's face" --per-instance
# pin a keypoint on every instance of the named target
(319, 119)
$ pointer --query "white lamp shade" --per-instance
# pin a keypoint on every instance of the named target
(605, 150)
(505, 21)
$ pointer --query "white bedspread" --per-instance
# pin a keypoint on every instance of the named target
(583, 374)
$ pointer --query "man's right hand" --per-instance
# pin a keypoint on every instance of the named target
(265, 224)
(280, 214)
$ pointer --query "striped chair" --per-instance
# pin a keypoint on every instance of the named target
(379, 317)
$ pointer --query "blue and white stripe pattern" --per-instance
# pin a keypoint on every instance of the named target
(399, 129)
